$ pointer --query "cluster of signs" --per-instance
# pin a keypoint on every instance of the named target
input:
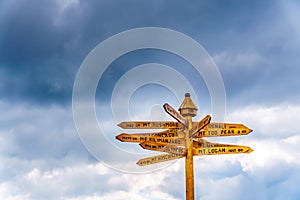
(173, 140)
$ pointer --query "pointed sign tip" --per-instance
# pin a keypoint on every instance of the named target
(249, 150)
(119, 137)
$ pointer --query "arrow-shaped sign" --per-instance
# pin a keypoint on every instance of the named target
(204, 122)
(174, 113)
(170, 133)
(163, 147)
(222, 129)
(201, 143)
(150, 125)
(234, 149)
(158, 159)
(124, 137)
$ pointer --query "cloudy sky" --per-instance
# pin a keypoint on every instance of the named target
(43, 44)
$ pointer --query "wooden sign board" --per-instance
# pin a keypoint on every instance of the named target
(175, 114)
(222, 129)
(158, 159)
(203, 123)
(150, 125)
(169, 148)
(221, 150)
(124, 137)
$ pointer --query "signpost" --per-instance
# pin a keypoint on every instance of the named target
(184, 139)
(204, 122)
(169, 148)
(171, 111)
(222, 129)
(221, 150)
(138, 138)
(149, 125)
(157, 159)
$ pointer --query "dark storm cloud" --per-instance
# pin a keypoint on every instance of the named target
(44, 43)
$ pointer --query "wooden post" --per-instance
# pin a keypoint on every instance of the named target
(188, 110)
(189, 162)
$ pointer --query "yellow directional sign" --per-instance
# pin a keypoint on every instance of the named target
(158, 159)
(173, 112)
(174, 133)
(170, 133)
(223, 129)
(124, 137)
(184, 138)
(234, 149)
(163, 147)
(204, 122)
(149, 125)
(201, 143)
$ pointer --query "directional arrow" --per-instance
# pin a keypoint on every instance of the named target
(169, 148)
(234, 149)
(176, 115)
(204, 122)
(158, 159)
(170, 133)
(150, 125)
(222, 129)
(124, 137)
(201, 143)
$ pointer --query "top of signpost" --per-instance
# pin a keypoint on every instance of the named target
(188, 108)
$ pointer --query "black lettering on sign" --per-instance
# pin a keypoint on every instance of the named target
(226, 131)
(129, 125)
(216, 150)
(216, 125)
(214, 132)
(201, 151)
(201, 133)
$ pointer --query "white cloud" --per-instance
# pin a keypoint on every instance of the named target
(277, 121)
(68, 174)
(87, 181)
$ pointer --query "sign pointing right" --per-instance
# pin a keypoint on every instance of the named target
(222, 129)
(234, 149)
(204, 122)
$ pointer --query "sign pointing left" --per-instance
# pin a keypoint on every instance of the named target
(149, 125)
(176, 115)
(158, 159)
(124, 137)
(169, 148)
